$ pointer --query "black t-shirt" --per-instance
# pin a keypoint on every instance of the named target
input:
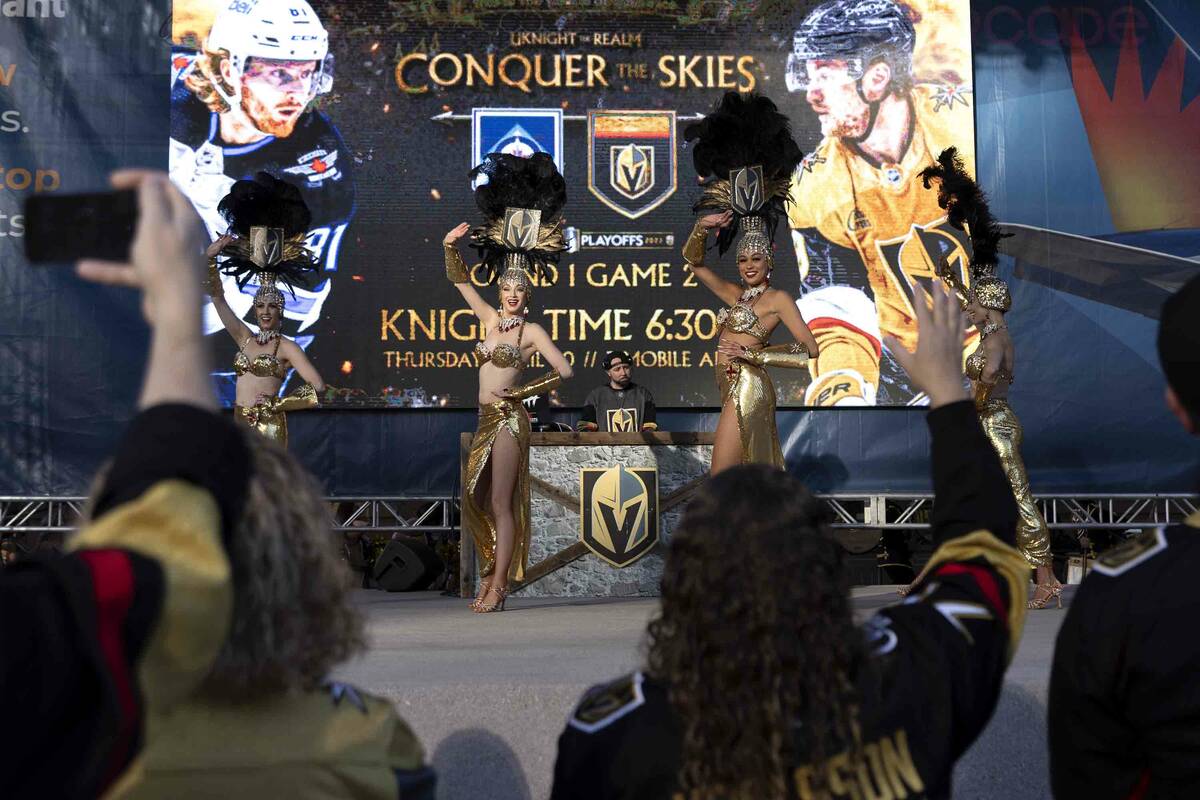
(620, 410)
(929, 686)
(1124, 709)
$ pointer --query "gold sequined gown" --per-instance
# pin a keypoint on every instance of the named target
(749, 389)
(504, 415)
(1003, 430)
(270, 417)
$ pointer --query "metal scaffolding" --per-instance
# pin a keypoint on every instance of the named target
(26, 516)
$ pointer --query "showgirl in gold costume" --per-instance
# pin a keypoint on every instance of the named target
(267, 223)
(990, 366)
(746, 154)
(522, 201)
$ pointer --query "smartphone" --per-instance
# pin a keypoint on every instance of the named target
(64, 228)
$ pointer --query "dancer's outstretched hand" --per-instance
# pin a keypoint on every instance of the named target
(456, 233)
(936, 365)
(710, 221)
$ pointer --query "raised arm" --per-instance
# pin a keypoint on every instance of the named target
(296, 355)
(237, 329)
(460, 276)
(693, 254)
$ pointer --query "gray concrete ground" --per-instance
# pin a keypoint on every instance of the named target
(488, 694)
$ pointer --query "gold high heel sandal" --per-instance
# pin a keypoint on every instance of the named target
(502, 593)
(1053, 592)
(483, 590)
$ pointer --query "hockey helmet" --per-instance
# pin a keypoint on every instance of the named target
(285, 30)
(858, 32)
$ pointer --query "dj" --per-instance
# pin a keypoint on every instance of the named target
(620, 405)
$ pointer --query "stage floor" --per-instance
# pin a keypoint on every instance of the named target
(488, 694)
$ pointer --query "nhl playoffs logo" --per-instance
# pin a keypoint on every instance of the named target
(746, 189)
(618, 515)
(631, 159)
(521, 227)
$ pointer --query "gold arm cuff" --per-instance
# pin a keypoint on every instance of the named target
(538, 385)
(456, 268)
(786, 356)
(302, 398)
(212, 283)
(693, 249)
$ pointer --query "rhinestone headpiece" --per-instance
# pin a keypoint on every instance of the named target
(991, 292)
(754, 238)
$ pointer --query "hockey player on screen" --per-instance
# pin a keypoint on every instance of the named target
(243, 105)
(867, 234)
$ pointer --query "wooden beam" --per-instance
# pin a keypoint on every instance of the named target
(564, 499)
(681, 494)
(651, 438)
(552, 564)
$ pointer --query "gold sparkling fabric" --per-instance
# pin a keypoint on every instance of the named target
(1004, 431)
(271, 424)
(510, 416)
(270, 418)
(748, 389)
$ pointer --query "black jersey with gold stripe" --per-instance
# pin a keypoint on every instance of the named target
(928, 688)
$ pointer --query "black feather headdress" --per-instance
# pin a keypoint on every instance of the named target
(513, 182)
(269, 220)
(744, 130)
(965, 203)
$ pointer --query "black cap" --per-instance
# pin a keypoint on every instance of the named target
(1179, 345)
(616, 357)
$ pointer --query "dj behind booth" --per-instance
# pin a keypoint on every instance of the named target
(620, 405)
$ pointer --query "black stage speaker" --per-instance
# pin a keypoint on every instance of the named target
(406, 565)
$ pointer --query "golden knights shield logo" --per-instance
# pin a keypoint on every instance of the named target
(618, 515)
(631, 159)
(623, 420)
(632, 169)
(521, 227)
(746, 189)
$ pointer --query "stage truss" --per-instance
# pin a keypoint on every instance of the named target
(438, 516)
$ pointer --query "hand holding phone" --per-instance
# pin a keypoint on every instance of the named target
(65, 228)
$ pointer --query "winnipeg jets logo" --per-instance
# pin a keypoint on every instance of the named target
(947, 96)
(317, 166)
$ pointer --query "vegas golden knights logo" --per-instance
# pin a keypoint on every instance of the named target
(631, 159)
(746, 189)
(618, 514)
(266, 245)
(521, 227)
(622, 420)
(632, 170)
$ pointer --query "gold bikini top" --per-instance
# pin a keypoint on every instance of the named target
(503, 355)
(977, 362)
(740, 318)
(263, 365)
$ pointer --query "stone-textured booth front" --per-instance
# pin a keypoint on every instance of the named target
(560, 564)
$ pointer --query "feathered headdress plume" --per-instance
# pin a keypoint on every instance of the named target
(269, 220)
(744, 132)
(522, 201)
(966, 204)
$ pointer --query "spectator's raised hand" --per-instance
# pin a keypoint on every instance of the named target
(936, 365)
(166, 259)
